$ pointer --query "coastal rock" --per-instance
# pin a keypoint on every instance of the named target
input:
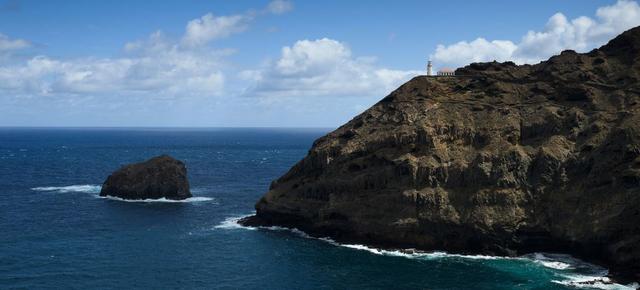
(159, 177)
(501, 159)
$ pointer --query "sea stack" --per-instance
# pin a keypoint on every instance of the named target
(159, 177)
(498, 159)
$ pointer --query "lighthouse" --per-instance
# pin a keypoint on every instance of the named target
(429, 68)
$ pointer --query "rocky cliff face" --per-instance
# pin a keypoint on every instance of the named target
(501, 159)
(159, 177)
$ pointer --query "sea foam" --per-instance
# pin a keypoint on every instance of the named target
(554, 261)
(94, 189)
(593, 282)
(186, 200)
(232, 223)
(86, 188)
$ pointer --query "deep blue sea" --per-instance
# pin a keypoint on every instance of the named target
(55, 232)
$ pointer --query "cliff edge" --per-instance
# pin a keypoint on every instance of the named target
(501, 159)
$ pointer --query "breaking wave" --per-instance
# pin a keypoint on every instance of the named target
(86, 188)
(232, 223)
(554, 261)
(94, 189)
(186, 200)
(593, 282)
(595, 279)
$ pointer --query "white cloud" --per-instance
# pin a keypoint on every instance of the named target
(156, 67)
(7, 44)
(580, 34)
(279, 6)
(311, 57)
(474, 51)
(323, 67)
(208, 27)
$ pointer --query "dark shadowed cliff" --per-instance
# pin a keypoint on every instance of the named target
(159, 177)
(502, 159)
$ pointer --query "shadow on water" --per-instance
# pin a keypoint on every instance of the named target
(315, 261)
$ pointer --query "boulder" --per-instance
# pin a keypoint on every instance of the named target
(159, 177)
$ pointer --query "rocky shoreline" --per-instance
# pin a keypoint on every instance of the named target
(617, 275)
(506, 160)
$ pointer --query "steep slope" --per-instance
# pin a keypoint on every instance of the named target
(501, 159)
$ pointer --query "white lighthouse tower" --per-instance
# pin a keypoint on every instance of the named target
(429, 73)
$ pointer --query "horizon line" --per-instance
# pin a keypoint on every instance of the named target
(164, 127)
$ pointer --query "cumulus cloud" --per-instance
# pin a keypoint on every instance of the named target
(173, 76)
(580, 34)
(474, 51)
(323, 67)
(208, 27)
(156, 67)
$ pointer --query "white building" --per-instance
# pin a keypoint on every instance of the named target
(445, 71)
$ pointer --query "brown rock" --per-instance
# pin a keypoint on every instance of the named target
(503, 159)
(159, 177)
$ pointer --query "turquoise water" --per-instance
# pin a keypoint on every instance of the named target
(55, 232)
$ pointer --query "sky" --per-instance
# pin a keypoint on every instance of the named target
(279, 63)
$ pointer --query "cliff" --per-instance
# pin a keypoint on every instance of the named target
(501, 159)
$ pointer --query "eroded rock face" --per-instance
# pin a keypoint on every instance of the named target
(503, 159)
(158, 177)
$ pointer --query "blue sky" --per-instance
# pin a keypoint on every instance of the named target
(261, 63)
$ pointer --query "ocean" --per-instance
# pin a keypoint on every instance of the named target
(56, 232)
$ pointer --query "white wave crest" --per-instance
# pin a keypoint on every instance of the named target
(597, 280)
(412, 253)
(232, 223)
(555, 265)
(92, 188)
(554, 261)
(590, 276)
(86, 188)
(593, 282)
(186, 200)
(376, 251)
